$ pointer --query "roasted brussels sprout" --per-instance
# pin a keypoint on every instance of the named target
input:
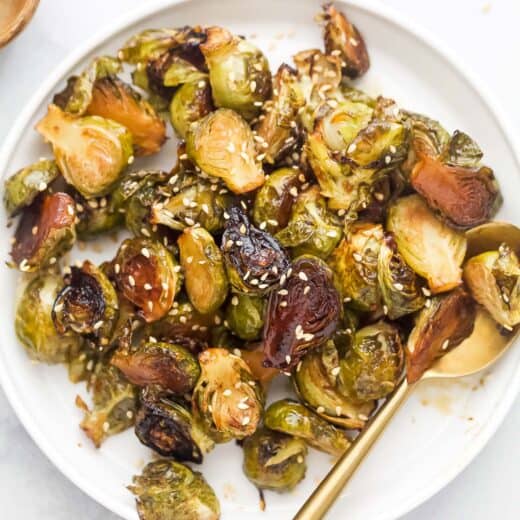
(429, 138)
(97, 216)
(312, 229)
(461, 150)
(227, 401)
(445, 322)
(222, 145)
(245, 316)
(168, 490)
(431, 248)
(169, 366)
(205, 276)
(146, 275)
(45, 231)
(255, 361)
(23, 187)
(33, 323)
(255, 261)
(273, 460)
(167, 427)
(494, 281)
(91, 152)
(294, 419)
(238, 72)
(301, 315)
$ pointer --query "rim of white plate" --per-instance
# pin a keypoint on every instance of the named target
(374, 8)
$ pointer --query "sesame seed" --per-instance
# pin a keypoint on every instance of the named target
(229, 244)
(341, 212)
(244, 156)
(145, 252)
(320, 409)
(183, 319)
(147, 286)
(398, 286)
(362, 417)
(263, 286)
(332, 233)
(306, 289)
(189, 259)
(131, 280)
(303, 276)
(294, 191)
(149, 304)
(234, 300)
(426, 291)
(288, 359)
(242, 406)
(339, 411)
(34, 230)
(283, 292)
(379, 196)
(385, 309)
(505, 297)
(176, 268)
(42, 186)
(129, 414)
(392, 148)
(262, 225)
(335, 371)
(254, 281)
(283, 303)
(131, 159)
(189, 221)
(357, 257)
(347, 299)
(145, 232)
(272, 222)
(446, 344)
(388, 159)
(98, 325)
(245, 421)
(106, 426)
(351, 148)
(227, 392)
(428, 304)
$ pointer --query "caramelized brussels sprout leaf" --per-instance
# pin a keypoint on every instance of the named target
(245, 316)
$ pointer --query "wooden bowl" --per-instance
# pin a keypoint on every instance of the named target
(14, 16)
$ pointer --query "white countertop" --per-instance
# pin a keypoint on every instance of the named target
(484, 34)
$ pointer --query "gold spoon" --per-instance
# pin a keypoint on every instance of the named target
(485, 345)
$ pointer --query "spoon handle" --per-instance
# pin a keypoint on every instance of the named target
(331, 486)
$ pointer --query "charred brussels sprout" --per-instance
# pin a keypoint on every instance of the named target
(204, 271)
(294, 419)
(301, 315)
(431, 248)
(222, 145)
(444, 323)
(23, 187)
(91, 152)
(238, 72)
(255, 261)
(273, 460)
(168, 490)
(245, 316)
(494, 281)
(33, 323)
(227, 401)
(146, 274)
(45, 231)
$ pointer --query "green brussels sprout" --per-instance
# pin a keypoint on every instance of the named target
(23, 187)
(205, 276)
(431, 248)
(312, 229)
(91, 152)
(372, 367)
(274, 200)
(222, 145)
(97, 216)
(33, 323)
(245, 316)
(399, 285)
(238, 72)
(294, 419)
(227, 401)
(114, 403)
(168, 490)
(181, 71)
(45, 231)
(273, 460)
(493, 278)
(355, 95)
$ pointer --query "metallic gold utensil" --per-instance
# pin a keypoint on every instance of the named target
(485, 345)
(14, 16)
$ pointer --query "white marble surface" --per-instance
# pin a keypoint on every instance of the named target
(484, 34)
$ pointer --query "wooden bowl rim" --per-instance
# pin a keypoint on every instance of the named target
(19, 21)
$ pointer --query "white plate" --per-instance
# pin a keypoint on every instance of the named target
(443, 426)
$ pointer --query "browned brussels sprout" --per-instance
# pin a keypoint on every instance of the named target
(238, 72)
(23, 187)
(301, 315)
(222, 145)
(45, 231)
(431, 248)
(91, 152)
(146, 275)
(245, 316)
(33, 323)
(273, 460)
(255, 361)
(205, 276)
(169, 366)
(227, 401)
(255, 261)
(168, 490)
(294, 419)
(444, 323)
(343, 39)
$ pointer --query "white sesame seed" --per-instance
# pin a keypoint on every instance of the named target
(354, 42)
(362, 417)
(131, 280)
(288, 359)
(189, 259)
(242, 406)
(335, 371)
(428, 304)
(445, 344)
(398, 286)
(339, 411)
(283, 303)
(234, 300)
(106, 426)
(357, 257)
(392, 148)
(332, 233)
(147, 286)
(246, 420)
(303, 276)
(131, 159)
(320, 409)
(306, 289)
(388, 159)
(129, 414)
(351, 148)
(145, 252)
(294, 191)
(426, 291)
(42, 186)
(227, 392)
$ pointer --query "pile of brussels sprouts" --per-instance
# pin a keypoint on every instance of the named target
(307, 230)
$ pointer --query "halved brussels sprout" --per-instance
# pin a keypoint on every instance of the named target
(168, 490)
(91, 152)
(45, 231)
(255, 261)
(273, 460)
(494, 281)
(462, 151)
(227, 401)
(245, 316)
(301, 315)
(23, 187)
(445, 322)
(146, 274)
(431, 248)
(33, 323)
(205, 276)
(294, 419)
(238, 72)
(312, 229)
(222, 145)
(429, 138)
